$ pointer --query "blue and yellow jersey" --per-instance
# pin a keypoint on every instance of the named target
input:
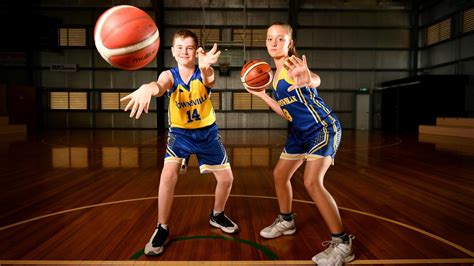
(303, 107)
(190, 105)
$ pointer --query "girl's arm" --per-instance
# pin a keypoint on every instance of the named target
(268, 100)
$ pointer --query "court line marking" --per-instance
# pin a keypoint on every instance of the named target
(445, 241)
(266, 251)
(243, 262)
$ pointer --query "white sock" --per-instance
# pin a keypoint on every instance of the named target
(214, 212)
(165, 226)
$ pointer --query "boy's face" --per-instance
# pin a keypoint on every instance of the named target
(184, 51)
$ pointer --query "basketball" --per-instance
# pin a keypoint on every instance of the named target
(256, 74)
(126, 37)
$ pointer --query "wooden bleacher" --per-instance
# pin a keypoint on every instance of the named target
(11, 130)
(454, 127)
(450, 134)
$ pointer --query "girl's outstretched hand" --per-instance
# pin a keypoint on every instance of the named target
(298, 70)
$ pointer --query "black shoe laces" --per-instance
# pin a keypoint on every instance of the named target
(160, 237)
(223, 220)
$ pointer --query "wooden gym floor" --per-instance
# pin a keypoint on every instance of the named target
(90, 197)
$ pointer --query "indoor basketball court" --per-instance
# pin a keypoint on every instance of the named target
(79, 178)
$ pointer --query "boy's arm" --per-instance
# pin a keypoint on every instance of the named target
(206, 59)
(163, 84)
(208, 78)
(139, 100)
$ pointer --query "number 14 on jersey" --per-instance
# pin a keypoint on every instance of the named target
(194, 116)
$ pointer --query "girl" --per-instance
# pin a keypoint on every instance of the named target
(314, 137)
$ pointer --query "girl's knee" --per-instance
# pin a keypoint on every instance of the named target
(312, 184)
(280, 177)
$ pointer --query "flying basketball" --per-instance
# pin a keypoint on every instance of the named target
(126, 37)
(256, 74)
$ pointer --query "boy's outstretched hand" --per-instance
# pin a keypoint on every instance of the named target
(206, 59)
(139, 100)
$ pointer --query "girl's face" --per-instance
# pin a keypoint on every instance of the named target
(184, 50)
(278, 41)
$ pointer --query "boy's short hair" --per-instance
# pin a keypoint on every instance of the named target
(185, 34)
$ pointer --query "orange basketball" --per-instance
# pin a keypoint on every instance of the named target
(126, 37)
(256, 74)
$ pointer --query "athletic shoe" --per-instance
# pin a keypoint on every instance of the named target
(224, 223)
(337, 253)
(157, 241)
(279, 227)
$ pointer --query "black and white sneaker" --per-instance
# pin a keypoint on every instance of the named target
(223, 222)
(157, 241)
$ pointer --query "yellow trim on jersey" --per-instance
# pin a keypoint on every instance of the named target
(337, 132)
(321, 144)
(283, 72)
(171, 152)
(318, 104)
(310, 107)
(191, 108)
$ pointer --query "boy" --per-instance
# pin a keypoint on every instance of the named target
(191, 121)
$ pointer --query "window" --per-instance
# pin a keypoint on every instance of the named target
(259, 104)
(468, 20)
(445, 29)
(251, 37)
(68, 100)
(438, 32)
(247, 101)
(72, 37)
(207, 36)
(111, 100)
(216, 100)
(242, 101)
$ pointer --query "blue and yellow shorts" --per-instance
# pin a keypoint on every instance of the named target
(205, 142)
(319, 144)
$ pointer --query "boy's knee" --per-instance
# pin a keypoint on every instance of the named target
(169, 179)
(225, 180)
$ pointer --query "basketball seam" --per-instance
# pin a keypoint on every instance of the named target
(106, 52)
(251, 68)
(132, 48)
(268, 83)
(100, 23)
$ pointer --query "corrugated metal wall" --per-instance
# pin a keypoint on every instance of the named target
(352, 45)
